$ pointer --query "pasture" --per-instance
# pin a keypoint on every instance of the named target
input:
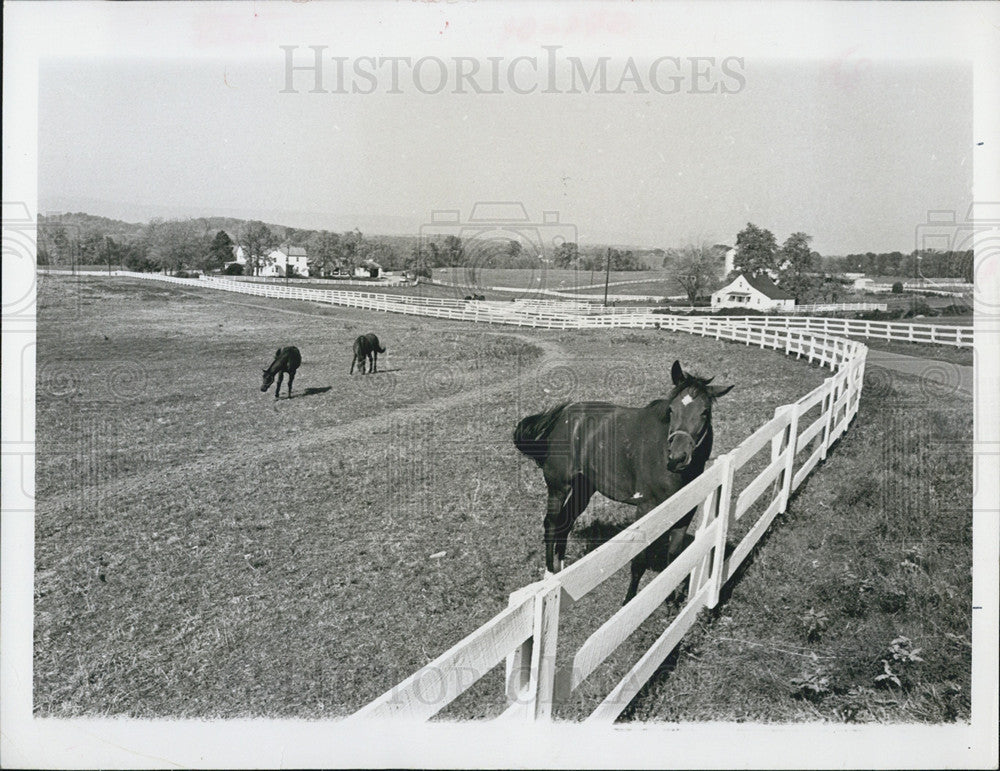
(544, 277)
(856, 607)
(204, 551)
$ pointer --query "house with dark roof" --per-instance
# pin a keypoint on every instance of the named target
(278, 261)
(757, 292)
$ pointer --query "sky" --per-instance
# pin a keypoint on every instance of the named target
(854, 154)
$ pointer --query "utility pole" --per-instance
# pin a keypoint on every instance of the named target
(607, 276)
(107, 251)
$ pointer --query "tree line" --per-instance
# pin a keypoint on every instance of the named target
(174, 246)
(201, 244)
(929, 263)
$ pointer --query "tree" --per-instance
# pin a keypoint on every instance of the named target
(624, 260)
(566, 255)
(173, 245)
(755, 250)
(323, 249)
(219, 252)
(452, 251)
(696, 268)
(418, 263)
(350, 250)
(257, 242)
(796, 260)
(382, 253)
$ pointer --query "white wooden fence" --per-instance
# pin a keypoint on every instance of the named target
(525, 635)
(555, 317)
(839, 307)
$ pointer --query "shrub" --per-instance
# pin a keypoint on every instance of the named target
(919, 308)
(956, 310)
(234, 270)
(897, 288)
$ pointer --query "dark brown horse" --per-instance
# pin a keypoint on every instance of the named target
(287, 360)
(366, 348)
(635, 455)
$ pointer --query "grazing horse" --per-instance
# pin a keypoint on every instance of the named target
(635, 455)
(366, 348)
(287, 360)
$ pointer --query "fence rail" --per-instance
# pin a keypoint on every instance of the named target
(525, 635)
(531, 314)
(839, 307)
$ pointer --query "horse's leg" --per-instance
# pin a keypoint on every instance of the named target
(580, 494)
(553, 510)
(277, 390)
(371, 365)
(375, 362)
(675, 539)
(291, 377)
(352, 364)
(638, 566)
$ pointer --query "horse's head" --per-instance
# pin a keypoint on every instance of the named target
(268, 379)
(690, 416)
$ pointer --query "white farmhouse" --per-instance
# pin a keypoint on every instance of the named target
(279, 260)
(759, 293)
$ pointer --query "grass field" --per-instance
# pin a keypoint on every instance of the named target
(951, 353)
(203, 551)
(857, 606)
(542, 278)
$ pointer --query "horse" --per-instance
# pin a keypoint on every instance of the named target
(635, 455)
(287, 360)
(366, 347)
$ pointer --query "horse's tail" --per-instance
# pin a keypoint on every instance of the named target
(380, 350)
(531, 436)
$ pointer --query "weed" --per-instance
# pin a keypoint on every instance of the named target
(902, 652)
(855, 705)
(888, 676)
(814, 683)
(903, 656)
(814, 622)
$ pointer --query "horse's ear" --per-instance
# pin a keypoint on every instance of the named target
(716, 391)
(676, 373)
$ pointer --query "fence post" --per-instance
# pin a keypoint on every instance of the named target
(778, 444)
(543, 653)
(518, 667)
(706, 510)
(724, 496)
(792, 440)
(828, 429)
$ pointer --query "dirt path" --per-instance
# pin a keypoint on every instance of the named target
(944, 376)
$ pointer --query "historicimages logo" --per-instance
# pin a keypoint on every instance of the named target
(976, 239)
(497, 234)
